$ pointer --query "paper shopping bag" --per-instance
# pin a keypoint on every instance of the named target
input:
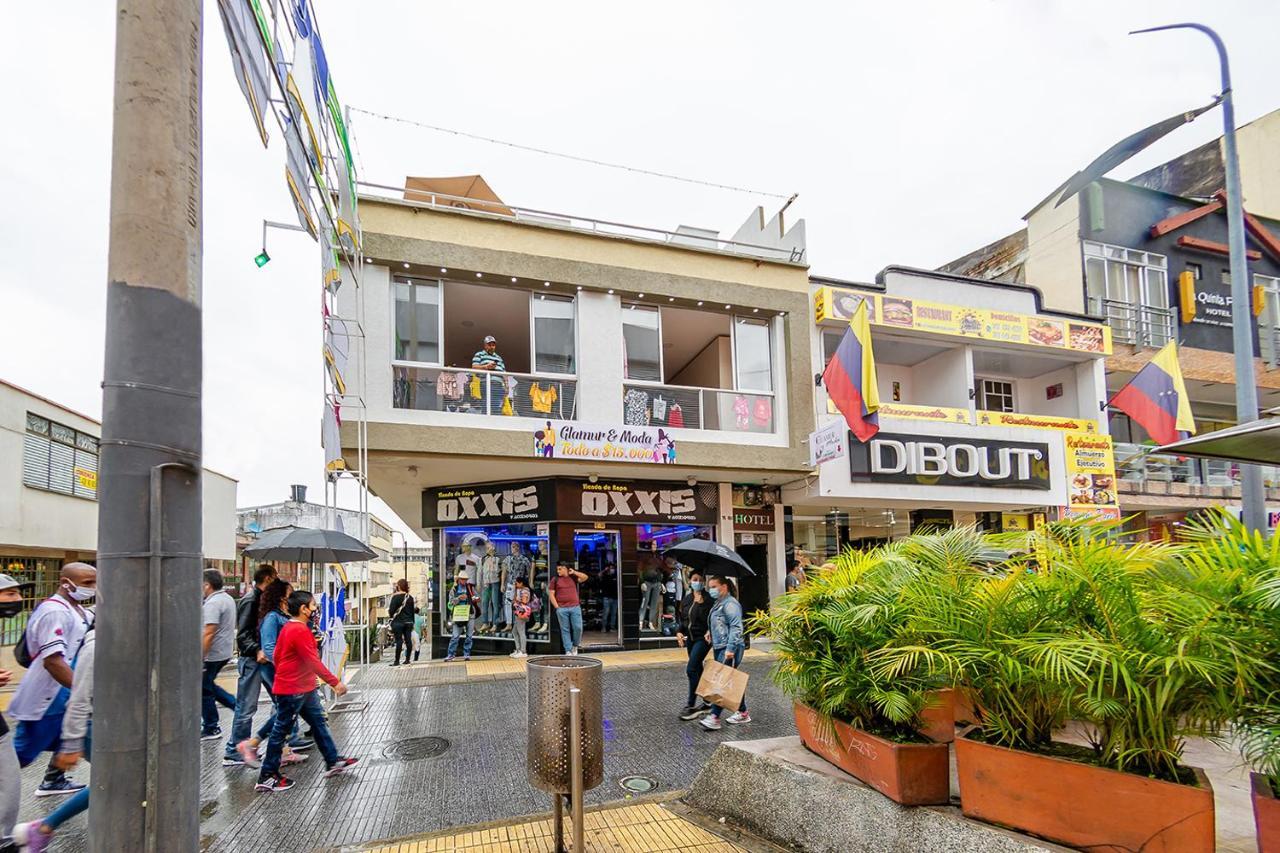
(722, 685)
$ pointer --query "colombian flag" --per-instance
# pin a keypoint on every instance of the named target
(1157, 398)
(850, 377)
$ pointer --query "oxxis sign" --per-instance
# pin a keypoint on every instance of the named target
(937, 460)
(491, 503)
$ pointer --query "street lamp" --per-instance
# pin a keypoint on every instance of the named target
(1251, 495)
(404, 541)
(262, 258)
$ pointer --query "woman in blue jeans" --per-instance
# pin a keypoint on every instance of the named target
(727, 642)
(692, 635)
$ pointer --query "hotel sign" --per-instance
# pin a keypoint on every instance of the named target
(935, 460)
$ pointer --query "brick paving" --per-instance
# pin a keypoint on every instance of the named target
(480, 709)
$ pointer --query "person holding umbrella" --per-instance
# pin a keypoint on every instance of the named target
(726, 638)
(692, 636)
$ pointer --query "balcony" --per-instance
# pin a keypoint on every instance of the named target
(484, 392)
(688, 407)
(1162, 473)
(1140, 325)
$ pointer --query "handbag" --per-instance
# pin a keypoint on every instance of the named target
(722, 685)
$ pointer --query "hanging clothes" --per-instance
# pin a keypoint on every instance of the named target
(542, 399)
(741, 412)
(659, 409)
(675, 417)
(763, 412)
(447, 386)
(476, 393)
(635, 408)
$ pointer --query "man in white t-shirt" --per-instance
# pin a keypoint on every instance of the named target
(54, 636)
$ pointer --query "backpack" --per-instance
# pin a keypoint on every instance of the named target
(21, 653)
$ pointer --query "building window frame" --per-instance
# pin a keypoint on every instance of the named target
(1269, 319)
(1137, 309)
(58, 458)
(986, 392)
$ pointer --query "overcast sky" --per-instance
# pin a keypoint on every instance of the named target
(913, 132)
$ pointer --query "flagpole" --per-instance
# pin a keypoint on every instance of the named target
(1252, 498)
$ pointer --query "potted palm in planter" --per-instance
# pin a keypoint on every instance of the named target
(867, 725)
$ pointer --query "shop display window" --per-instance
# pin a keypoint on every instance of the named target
(493, 558)
(663, 581)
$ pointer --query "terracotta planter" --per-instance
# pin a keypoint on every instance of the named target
(914, 774)
(1266, 814)
(965, 710)
(940, 717)
(1081, 805)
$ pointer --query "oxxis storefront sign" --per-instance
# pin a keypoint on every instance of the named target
(639, 501)
(936, 460)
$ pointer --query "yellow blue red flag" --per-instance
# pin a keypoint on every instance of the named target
(850, 377)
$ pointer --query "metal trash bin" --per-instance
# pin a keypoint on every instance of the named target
(549, 761)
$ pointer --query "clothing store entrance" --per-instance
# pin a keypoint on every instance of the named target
(596, 554)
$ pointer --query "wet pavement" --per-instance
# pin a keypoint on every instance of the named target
(479, 778)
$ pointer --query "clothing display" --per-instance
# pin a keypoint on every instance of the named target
(492, 565)
(762, 412)
(741, 412)
(659, 409)
(635, 406)
(476, 394)
(448, 387)
(506, 407)
(675, 418)
(542, 399)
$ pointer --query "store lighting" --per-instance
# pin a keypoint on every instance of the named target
(479, 275)
(406, 265)
(692, 481)
(755, 310)
(593, 478)
(699, 301)
(727, 307)
(513, 279)
(611, 290)
(546, 284)
(262, 259)
(641, 296)
(442, 269)
(671, 299)
(368, 260)
(579, 287)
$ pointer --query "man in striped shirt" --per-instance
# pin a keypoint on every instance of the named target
(488, 358)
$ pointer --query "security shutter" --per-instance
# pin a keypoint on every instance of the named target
(35, 460)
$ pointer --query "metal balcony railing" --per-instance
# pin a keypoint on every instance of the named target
(484, 392)
(1140, 325)
(687, 407)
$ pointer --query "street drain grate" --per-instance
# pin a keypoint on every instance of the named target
(637, 784)
(416, 748)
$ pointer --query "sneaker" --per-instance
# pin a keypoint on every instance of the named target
(738, 717)
(466, 657)
(214, 734)
(301, 744)
(450, 658)
(710, 722)
(232, 761)
(293, 758)
(60, 788)
(274, 784)
(340, 766)
(248, 754)
(693, 712)
(514, 655)
(29, 837)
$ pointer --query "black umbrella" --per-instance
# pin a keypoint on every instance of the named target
(710, 557)
(309, 545)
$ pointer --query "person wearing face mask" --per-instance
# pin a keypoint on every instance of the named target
(692, 636)
(11, 592)
(726, 638)
(54, 635)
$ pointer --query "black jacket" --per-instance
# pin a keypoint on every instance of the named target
(401, 608)
(693, 617)
(247, 624)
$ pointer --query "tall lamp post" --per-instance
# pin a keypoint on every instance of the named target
(1251, 493)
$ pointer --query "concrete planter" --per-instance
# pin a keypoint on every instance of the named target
(940, 716)
(1083, 806)
(1266, 814)
(913, 774)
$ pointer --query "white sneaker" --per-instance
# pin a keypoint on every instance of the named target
(738, 717)
(710, 723)
(514, 655)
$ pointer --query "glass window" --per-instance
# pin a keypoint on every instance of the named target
(642, 346)
(417, 316)
(60, 459)
(493, 557)
(663, 581)
(553, 334)
(995, 395)
(753, 355)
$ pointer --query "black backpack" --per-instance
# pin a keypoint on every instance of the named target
(20, 652)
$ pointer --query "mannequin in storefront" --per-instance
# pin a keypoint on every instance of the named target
(609, 597)
(515, 565)
(651, 598)
(490, 590)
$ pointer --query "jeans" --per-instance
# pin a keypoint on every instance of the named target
(79, 801)
(32, 737)
(697, 656)
(521, 641)
(289, 707)
(211, 696)
(570, 626)
(491, 603)
(651, 605)
(404, 639)
(457, 631)
(248, 689)
(737, 662)
(609, 613)
(10, 785)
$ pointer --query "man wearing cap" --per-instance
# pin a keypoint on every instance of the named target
(463, 607)
(54, 636)
(11, 593)
(488, 358)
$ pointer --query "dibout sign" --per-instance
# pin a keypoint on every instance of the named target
(944, 461)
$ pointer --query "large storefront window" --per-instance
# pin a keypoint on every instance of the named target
(662, 580)
(493, 558)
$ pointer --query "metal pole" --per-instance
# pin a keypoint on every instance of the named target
(557, 821)
(146, 770)
(575, 764)
(1252, 498)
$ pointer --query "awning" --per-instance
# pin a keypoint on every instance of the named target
(1256, 441)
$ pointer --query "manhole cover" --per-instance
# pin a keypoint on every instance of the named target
(637, 784)
(415, 748)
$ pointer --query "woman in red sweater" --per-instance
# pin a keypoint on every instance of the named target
(297, 666)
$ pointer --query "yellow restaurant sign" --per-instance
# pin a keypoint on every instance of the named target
(937, 414)
(834, 306)
(1015, 419)
(1091, 476)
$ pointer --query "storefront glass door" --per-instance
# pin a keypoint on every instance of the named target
(596, 555)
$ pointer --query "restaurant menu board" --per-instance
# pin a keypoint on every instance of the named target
(1091, 476)
(834, 306)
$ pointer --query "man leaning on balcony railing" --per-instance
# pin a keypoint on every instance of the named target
(488, 358)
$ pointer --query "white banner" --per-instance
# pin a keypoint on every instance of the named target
(828, 443)
(604, 442)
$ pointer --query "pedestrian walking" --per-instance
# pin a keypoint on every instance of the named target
(464, 606)
(297, 666)
(568, 604)
(77, 743)
(727, 643)
(793, 579)
(272, 615)
(219, 617)
(10, 781)
(401, 608)
(692, 636)
(419, 632)
(522, 608)
(53, 637)
(248, 667)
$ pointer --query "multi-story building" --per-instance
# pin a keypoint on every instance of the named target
(368, 583)
(643, 373)
(989, 415)
(1149, 257)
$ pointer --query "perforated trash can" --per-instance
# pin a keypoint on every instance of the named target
(548, 758)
